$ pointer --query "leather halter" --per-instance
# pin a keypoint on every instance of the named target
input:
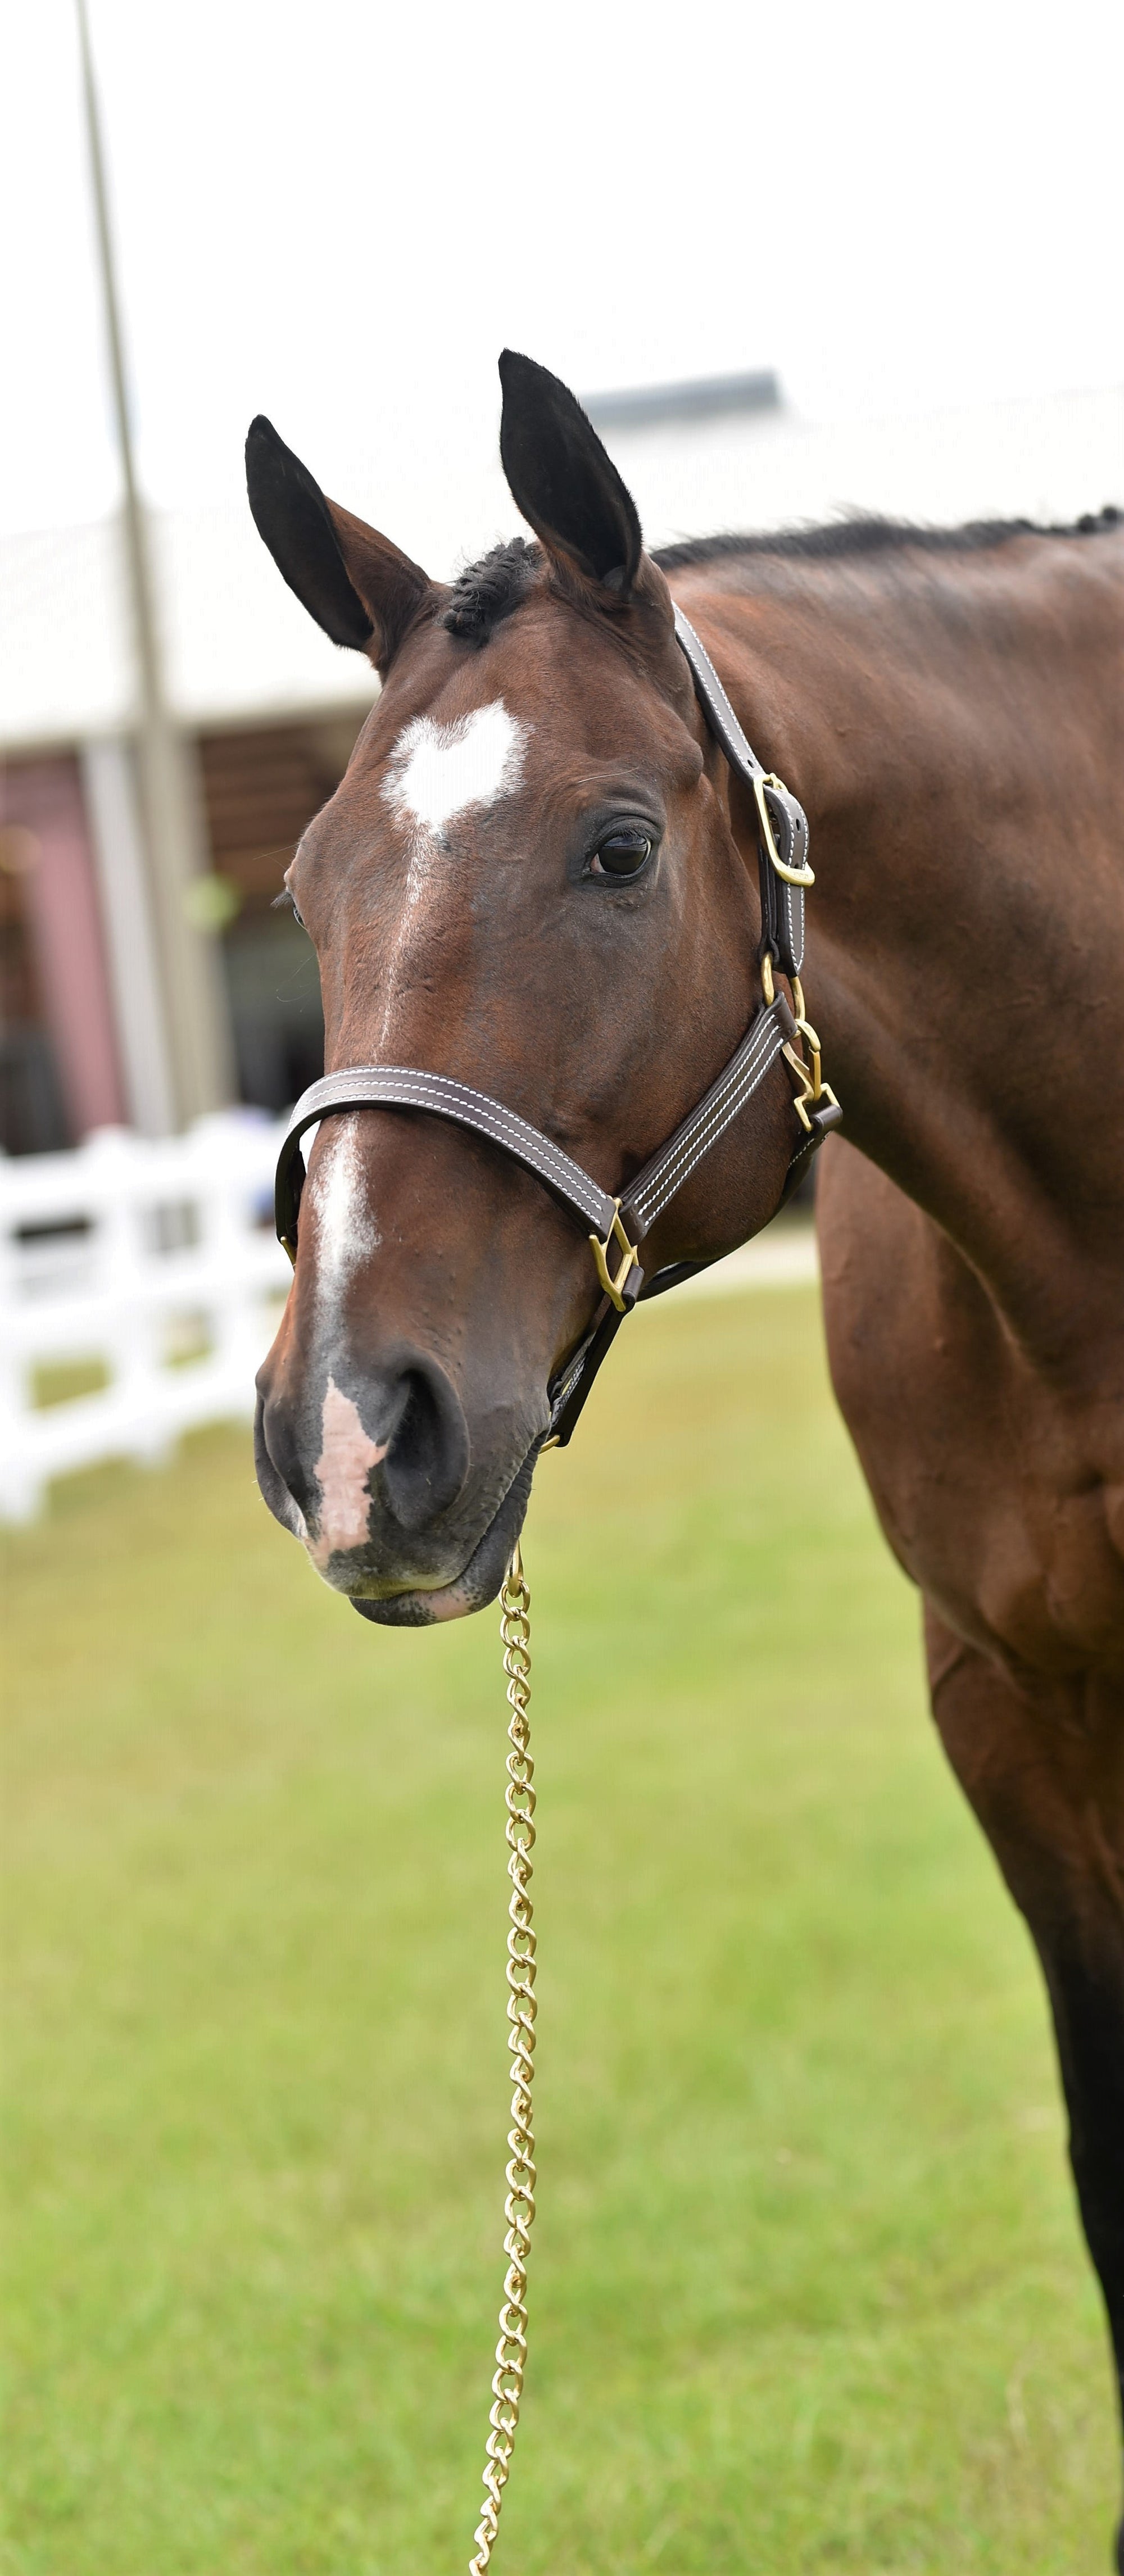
(617, 1226)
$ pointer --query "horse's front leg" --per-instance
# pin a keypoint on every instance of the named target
(1043, 1764)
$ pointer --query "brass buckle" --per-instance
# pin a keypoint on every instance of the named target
(613, 1287)
(792, 876)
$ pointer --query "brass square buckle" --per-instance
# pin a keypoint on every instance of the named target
(614, 1288)
(792, 876)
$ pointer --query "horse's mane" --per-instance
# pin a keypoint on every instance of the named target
(861, 536)
(487, 591)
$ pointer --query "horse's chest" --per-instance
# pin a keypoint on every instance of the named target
(1001, 1497)
(1021, 1548)
(1050, 1582)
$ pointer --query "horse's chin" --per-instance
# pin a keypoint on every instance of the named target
(479, 1581)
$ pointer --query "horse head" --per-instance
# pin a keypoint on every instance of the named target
(527, 881)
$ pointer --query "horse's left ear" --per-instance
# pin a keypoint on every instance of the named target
(561, 478)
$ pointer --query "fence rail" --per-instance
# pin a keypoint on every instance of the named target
(151, 1266)
(154, 1267)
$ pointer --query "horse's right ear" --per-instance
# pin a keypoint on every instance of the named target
(362, 590)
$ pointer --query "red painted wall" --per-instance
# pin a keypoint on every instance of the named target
(60, 895)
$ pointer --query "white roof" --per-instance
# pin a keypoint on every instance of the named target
(240, 649)
(237, 645)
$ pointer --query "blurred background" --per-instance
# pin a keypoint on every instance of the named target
(796, 261)
(808, 2287)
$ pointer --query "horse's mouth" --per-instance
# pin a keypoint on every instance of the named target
(480, 1578)
(417, 1604)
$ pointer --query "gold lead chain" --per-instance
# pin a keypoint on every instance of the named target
(519, 2206)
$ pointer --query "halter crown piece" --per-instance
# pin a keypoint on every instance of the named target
(617, 1226)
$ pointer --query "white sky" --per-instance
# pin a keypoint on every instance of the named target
(337, 212)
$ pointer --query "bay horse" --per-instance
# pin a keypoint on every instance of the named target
(539, 878)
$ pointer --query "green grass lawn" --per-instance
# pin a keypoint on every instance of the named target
(807, 2286)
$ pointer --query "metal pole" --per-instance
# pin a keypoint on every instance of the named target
(194, 1013)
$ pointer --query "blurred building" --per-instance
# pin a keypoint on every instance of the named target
(265, 712)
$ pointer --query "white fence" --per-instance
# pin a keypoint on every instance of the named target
(155, 1268)
(150, 1266)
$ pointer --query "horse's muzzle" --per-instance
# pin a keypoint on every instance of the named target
(376, 1480)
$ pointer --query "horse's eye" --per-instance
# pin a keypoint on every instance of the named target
(621, 854)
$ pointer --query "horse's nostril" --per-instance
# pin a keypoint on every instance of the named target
(282, 1481)
(427, 1461)
(349, 1468)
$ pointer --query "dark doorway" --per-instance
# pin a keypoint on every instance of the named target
(33, 1117)
(261, 790)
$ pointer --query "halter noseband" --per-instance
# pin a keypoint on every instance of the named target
(617, 1226)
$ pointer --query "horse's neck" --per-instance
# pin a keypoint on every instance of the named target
(948, 722)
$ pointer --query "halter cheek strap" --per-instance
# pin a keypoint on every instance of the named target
(617, 1226)
(782, 824)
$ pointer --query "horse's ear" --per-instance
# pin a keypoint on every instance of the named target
(561, 478)
(357, 586)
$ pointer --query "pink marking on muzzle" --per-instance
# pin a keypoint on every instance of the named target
(342, 1469)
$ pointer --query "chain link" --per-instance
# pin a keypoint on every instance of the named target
(519, 2206)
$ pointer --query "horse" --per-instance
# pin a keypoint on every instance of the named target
(542, 880)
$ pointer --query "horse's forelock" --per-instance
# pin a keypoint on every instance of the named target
(487, 591)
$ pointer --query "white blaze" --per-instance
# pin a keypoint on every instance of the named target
(346, 1233)
(435, 773)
